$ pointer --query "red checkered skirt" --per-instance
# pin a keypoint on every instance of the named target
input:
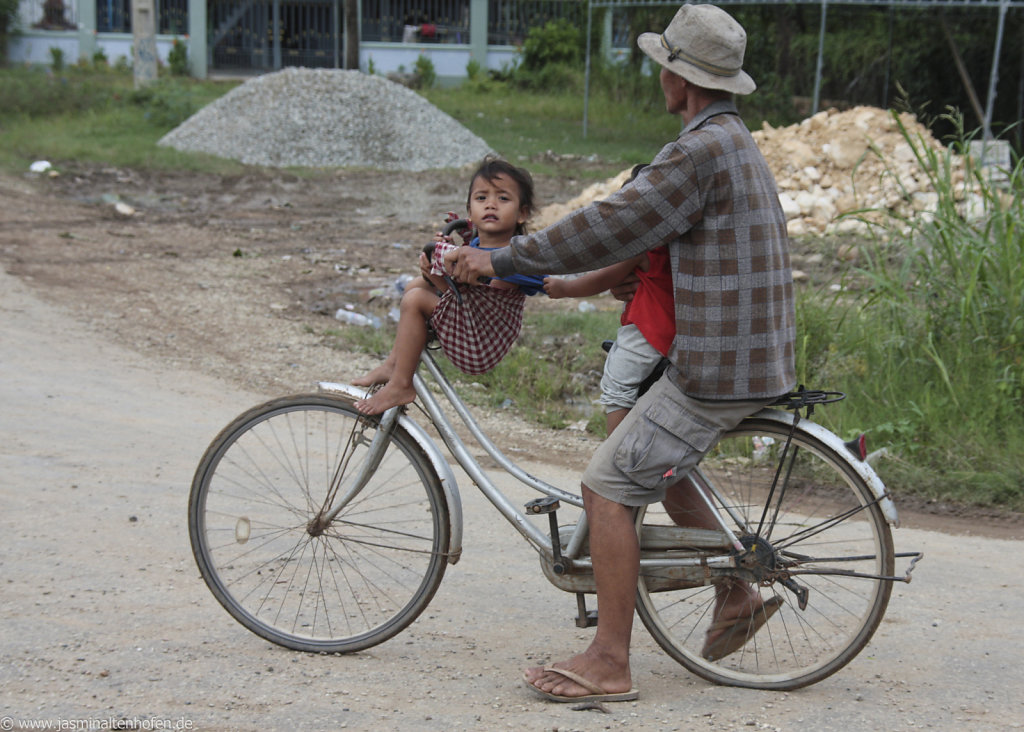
(476, 334)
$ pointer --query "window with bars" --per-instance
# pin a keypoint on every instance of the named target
(416, 21)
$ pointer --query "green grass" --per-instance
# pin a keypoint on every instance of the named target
(523, 126)
(96, 115)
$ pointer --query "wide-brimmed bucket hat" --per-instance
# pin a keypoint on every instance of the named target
(704, 45)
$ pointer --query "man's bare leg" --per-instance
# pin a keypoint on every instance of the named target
(616, 555)
(614, 418)
(410, 339)
(733, 599)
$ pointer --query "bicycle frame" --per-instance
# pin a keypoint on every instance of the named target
(542, 542)
(460, 451)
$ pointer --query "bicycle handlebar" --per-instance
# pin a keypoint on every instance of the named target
(429, 248)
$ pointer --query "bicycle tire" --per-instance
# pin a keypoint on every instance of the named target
(361, 580)
(826, 512)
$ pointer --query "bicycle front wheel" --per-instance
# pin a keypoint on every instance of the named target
(296, 581)
(820, 540)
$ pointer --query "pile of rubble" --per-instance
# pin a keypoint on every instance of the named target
(836, 162)
(827, 165)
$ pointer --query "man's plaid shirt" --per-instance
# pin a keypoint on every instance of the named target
(711, 198)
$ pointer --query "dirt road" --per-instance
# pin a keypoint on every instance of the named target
(104, 615)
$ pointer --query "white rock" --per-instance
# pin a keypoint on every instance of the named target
(796, 227)
(789, 206)
(806, 200)
(849, 226)
(845, 152)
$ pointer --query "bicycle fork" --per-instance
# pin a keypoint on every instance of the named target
(333, 505)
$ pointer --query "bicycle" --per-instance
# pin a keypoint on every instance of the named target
(323, 530)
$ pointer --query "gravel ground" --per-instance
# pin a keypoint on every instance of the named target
(106, 620)
(327, 118)
(127, 343)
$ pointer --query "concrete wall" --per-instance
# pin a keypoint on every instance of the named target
(33, 47)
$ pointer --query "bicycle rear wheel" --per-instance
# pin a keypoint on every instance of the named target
(337, 588)
(822, 533)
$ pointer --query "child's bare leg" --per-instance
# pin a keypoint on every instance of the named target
(381, 374)
(378, 375)
(418, 282)
(417, 305)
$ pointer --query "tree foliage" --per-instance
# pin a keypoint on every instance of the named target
(8, 25)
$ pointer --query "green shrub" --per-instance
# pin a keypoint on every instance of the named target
(36, 92)
(425, 74)
(57, 58)
(551, 58)
(177, 59)
(166, 103)
(556, 42)
(99, 59)
(473, 69)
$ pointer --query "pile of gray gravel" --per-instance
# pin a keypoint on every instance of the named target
(328, 118)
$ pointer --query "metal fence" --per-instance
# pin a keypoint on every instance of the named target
(447, 21)
(416, 21)
(508, 21)
(48, 15)
(252, 34)
(115, 16)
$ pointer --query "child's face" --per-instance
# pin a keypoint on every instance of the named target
(494, 207)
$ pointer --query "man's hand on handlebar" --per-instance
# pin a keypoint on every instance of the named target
(468, 264)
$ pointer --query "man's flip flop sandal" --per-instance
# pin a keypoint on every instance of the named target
(738, 631)
(597, 694)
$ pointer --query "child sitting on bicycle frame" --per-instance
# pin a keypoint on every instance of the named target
(476, 325)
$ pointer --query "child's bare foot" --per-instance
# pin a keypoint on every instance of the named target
(379, 375)
(391, 395)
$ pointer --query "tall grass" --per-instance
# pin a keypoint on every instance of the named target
(932, 349)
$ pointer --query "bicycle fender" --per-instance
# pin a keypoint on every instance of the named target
(437, 461)
(831, 440)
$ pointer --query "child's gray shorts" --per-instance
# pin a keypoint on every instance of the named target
(629, 362)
